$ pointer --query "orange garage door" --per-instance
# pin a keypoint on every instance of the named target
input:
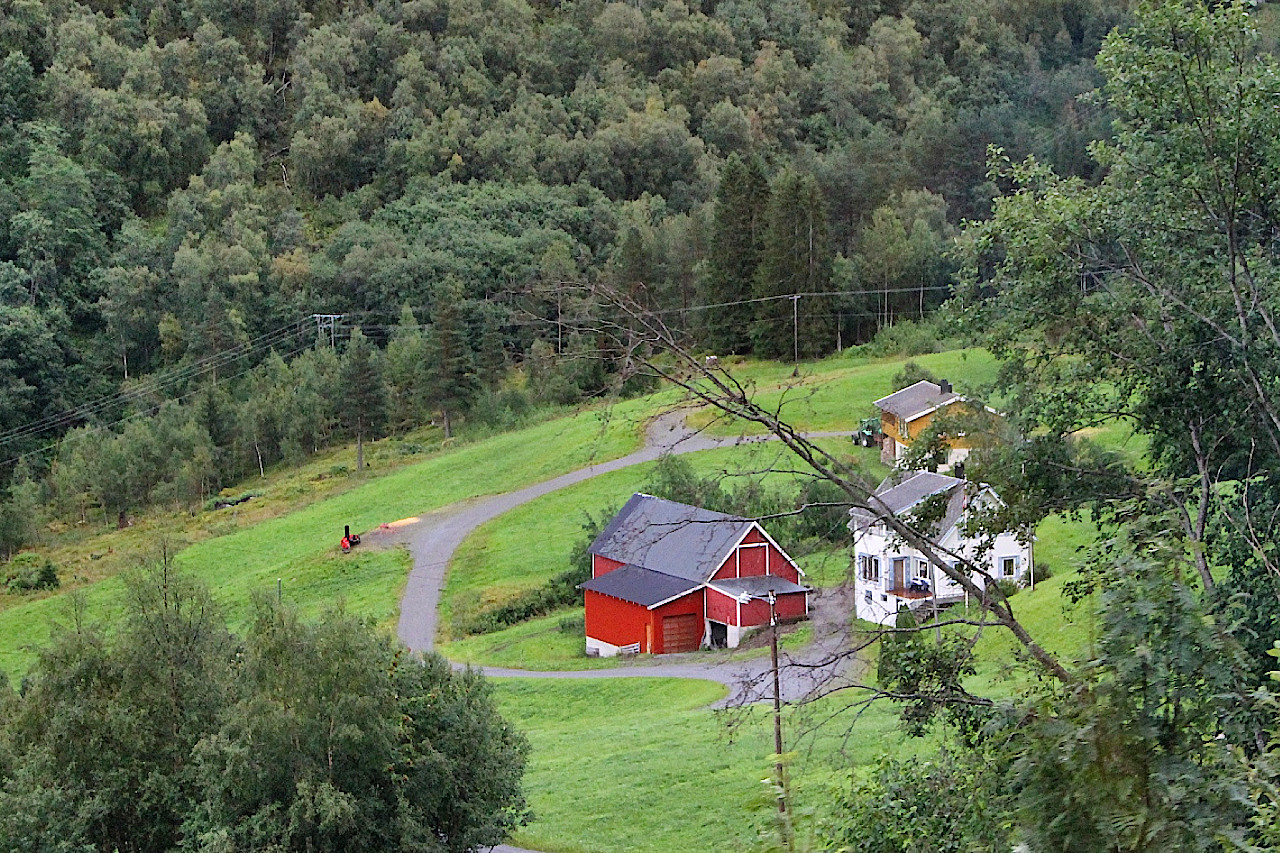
(681, 633)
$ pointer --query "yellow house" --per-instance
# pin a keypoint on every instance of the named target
(905, 414)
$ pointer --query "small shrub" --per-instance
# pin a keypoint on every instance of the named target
(1042, 572)
(906, 338)
(573, 625)
(31, 573)
(220, 502)
(910, 374)
(1008, 586)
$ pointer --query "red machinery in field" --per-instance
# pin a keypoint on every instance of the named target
(349, 539)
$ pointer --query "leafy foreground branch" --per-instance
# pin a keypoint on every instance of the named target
(171, 733)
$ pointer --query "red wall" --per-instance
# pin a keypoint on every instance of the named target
(691, 603)
(622, 623)
(778, 564)
(615, 621)
(722, 608)
(603, 565)
(790, 606)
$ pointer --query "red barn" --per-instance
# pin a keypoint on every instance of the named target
(667, 577)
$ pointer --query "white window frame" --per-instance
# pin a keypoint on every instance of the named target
(869, 568)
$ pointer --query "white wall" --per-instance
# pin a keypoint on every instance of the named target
(875, 604)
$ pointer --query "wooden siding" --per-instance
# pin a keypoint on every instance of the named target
(621, 623)
(603, 565)
(614, 621)
(889, 427)
(749, 565)
(722, 608)
(790, 606)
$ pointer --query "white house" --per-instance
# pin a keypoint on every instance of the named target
(889, 574)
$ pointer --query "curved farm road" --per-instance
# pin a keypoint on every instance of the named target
(433, 539)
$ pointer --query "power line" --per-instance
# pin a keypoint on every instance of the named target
(154, 384)
(127, 418)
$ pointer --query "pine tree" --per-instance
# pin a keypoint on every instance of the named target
(736, 243)
(795, 260)
(362, 403)
(407, 372)
(452, 364)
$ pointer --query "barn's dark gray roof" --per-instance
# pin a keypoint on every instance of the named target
(668, 537)
(900, 495)
(756, 585)
(915, 400)
(640, 586)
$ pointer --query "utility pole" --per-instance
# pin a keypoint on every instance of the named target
(795, 327)
(329, 322)
(777, 701)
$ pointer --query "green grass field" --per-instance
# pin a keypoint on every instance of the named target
(641, 765)
(628, 765)
(837, 393)
(300, 548)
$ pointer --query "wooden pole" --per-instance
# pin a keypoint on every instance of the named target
(777, 700)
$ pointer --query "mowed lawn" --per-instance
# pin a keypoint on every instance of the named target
(300, 549)
(643, 766)
(838, 392)
(498, 561)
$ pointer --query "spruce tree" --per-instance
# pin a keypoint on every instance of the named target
(736, 241)
(452, 363)
(795, 260)
(407, 372)
(362, 397)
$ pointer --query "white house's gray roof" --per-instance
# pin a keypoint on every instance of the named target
(915, 400)
(900, 496)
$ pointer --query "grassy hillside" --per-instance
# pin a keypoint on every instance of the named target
(300, 548)
(837, 393)
(635, 765)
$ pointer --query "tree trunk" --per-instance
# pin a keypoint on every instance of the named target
(448, 424)
(360, 451)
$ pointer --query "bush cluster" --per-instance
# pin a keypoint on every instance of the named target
(30, 573)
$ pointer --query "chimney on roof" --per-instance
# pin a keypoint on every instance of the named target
(944, 386)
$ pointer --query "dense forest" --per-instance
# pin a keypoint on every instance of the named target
(183, 186)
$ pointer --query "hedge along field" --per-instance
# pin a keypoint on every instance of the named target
(300, 548)
(838, 393)
(642, 765)
(496, 562)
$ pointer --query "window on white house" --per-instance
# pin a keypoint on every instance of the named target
(922, 569)
(869, 568)
(1008, 567)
